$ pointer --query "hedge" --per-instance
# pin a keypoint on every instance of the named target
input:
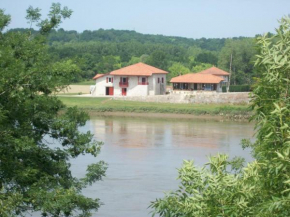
(237, 88)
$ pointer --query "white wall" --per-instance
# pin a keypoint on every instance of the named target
(101, 84)
(226, 78)
(219, 87)
(151, 85)
(133, 89)
(117, 88)
(100, 89)
(136, 90)
(158, 88)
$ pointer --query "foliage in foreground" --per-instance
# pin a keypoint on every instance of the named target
(262, 188)
(35, 172)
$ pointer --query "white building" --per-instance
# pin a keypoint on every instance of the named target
(135, 80)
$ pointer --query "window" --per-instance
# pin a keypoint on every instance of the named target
(109, 80)
(158, 80)
(162, 79)
(208, 87)
(143, 80)
(124, 80)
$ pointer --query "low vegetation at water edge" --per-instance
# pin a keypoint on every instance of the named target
(110, 105)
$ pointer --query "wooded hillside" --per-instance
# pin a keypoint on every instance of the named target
(102, 51)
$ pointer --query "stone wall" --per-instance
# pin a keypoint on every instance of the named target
(194, 97)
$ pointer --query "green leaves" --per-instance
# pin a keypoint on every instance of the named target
(4, 20)
(261, 188)
(38, 138)
(212, 191)
(33, 15)
(95, 172)
(55, 16)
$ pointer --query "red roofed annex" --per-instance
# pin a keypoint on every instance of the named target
(211, 79)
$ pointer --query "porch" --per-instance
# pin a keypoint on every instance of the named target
(195, 86)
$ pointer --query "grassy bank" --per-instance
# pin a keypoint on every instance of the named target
(109, 105)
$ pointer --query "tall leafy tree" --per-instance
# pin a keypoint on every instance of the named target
(108, 64)
(243, 53)
(223, 187)
(177, 69)
(34, 172)
(200, 67)
(207, 57)
(158, 59)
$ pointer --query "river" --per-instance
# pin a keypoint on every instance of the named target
(143, 155)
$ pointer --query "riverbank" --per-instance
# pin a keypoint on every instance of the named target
(117, 107)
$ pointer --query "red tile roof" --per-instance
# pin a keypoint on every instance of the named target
(214, 71)
(138, 69)
(197, 78)
(98, 76)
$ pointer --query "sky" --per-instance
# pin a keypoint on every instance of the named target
(185, 18)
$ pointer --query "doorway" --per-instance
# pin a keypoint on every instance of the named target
(109, 91)
(124, 91)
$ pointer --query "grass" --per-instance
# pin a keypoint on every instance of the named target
(68, 94)
(89, 82)
(109, 105)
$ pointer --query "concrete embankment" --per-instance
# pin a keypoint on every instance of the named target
(194, 97)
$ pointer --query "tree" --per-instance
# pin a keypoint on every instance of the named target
(243, 54)
(200, 67)
(108, 64)
(177, 69)
(134, 60)
(144, 57)
(34, 172)
(262, 188)
(207, 57)
(158, 59)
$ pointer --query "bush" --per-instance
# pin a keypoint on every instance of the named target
(238, 88)
(226, 187)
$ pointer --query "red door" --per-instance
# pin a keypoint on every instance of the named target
(124, 91)
(111, 91)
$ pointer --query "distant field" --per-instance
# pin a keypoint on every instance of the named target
(90, 82)
(75, 90)
(110, 105)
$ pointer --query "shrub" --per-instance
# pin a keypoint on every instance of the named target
(238, 88)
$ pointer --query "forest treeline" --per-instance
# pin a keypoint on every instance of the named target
(102, 51)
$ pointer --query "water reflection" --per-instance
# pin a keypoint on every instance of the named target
(143, 155)
(140, 133)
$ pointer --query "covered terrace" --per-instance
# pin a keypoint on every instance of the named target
(196, 81)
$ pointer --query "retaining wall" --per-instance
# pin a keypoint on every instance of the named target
(193, 97)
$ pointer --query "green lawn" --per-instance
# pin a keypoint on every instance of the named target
(110, 105)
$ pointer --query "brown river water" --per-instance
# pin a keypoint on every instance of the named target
(143, 155)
